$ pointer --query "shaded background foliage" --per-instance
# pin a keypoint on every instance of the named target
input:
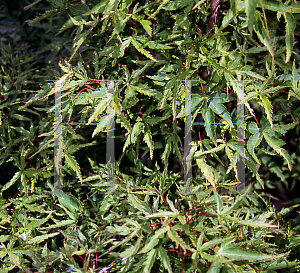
(79, 228)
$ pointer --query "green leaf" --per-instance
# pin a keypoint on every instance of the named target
(295, 79)
(41, 238)
(162, 214)
(178, 4)
(50, 13)
(140, 48)
(150, 261)
(144, 89)
(278, 6)
(78, 9)
(254, 140)
(102, 123)
(124, 122)
(241, 254)
(165, 2)
(99, 8)
(147, 26)
(69, 202)
(19, 117)
(99, 109)
(176, 239)
(260, 222)
(37, 223)
(217, 106)
(211, 151)
(207, 171)
(250, 7)
(80, 40)
(276, 144)
(209, 119)
(148, 140)
(62, 223)
(110, 6)
(16, 176)
(162, 254)
(138, 204)
(268, 108)
(153, 241)
(73, 164)
(290, 26)
(215, 267)
(262, 33)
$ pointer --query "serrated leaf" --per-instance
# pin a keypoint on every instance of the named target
(295, 78)
(41, 238)
(154, 240)
(148, 140)
(290, 26)
(81, 38)
(252, 223)
(209, 119)
(12, 181)
(19, 117)
(79, 9)
(162, 214)
(37, 223)
(99, 109)
(268, 108)
(140, 48)
(62, 223)
(176, 239)
(217, 106)
(69, 202)
(77, 23)
(139, 204)
(46, 15)
(102, 123)
(124, 122)
(207, 171)
(147, 26)
(178, 4)
(278, 6)
(243, 254)
(250, 73)
(165, 2)
(250, 7)
(132, 137)
(262, 33)
(110, 6)
(99, 8)
(215, 267)
(252, 143)
(162, 254)
(146, 90)
(276, 144)
(158, 46)
(148, 264)
(211, 151)
(73, 164)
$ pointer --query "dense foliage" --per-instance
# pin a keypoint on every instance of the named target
(149, 49)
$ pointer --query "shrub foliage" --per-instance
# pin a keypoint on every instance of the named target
(149, 50)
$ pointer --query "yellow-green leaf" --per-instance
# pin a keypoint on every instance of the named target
(147, 26)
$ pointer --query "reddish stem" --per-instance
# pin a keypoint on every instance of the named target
(165, 200)
(79, 93)
(92, 88)
(179, 203)
(75, 4)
